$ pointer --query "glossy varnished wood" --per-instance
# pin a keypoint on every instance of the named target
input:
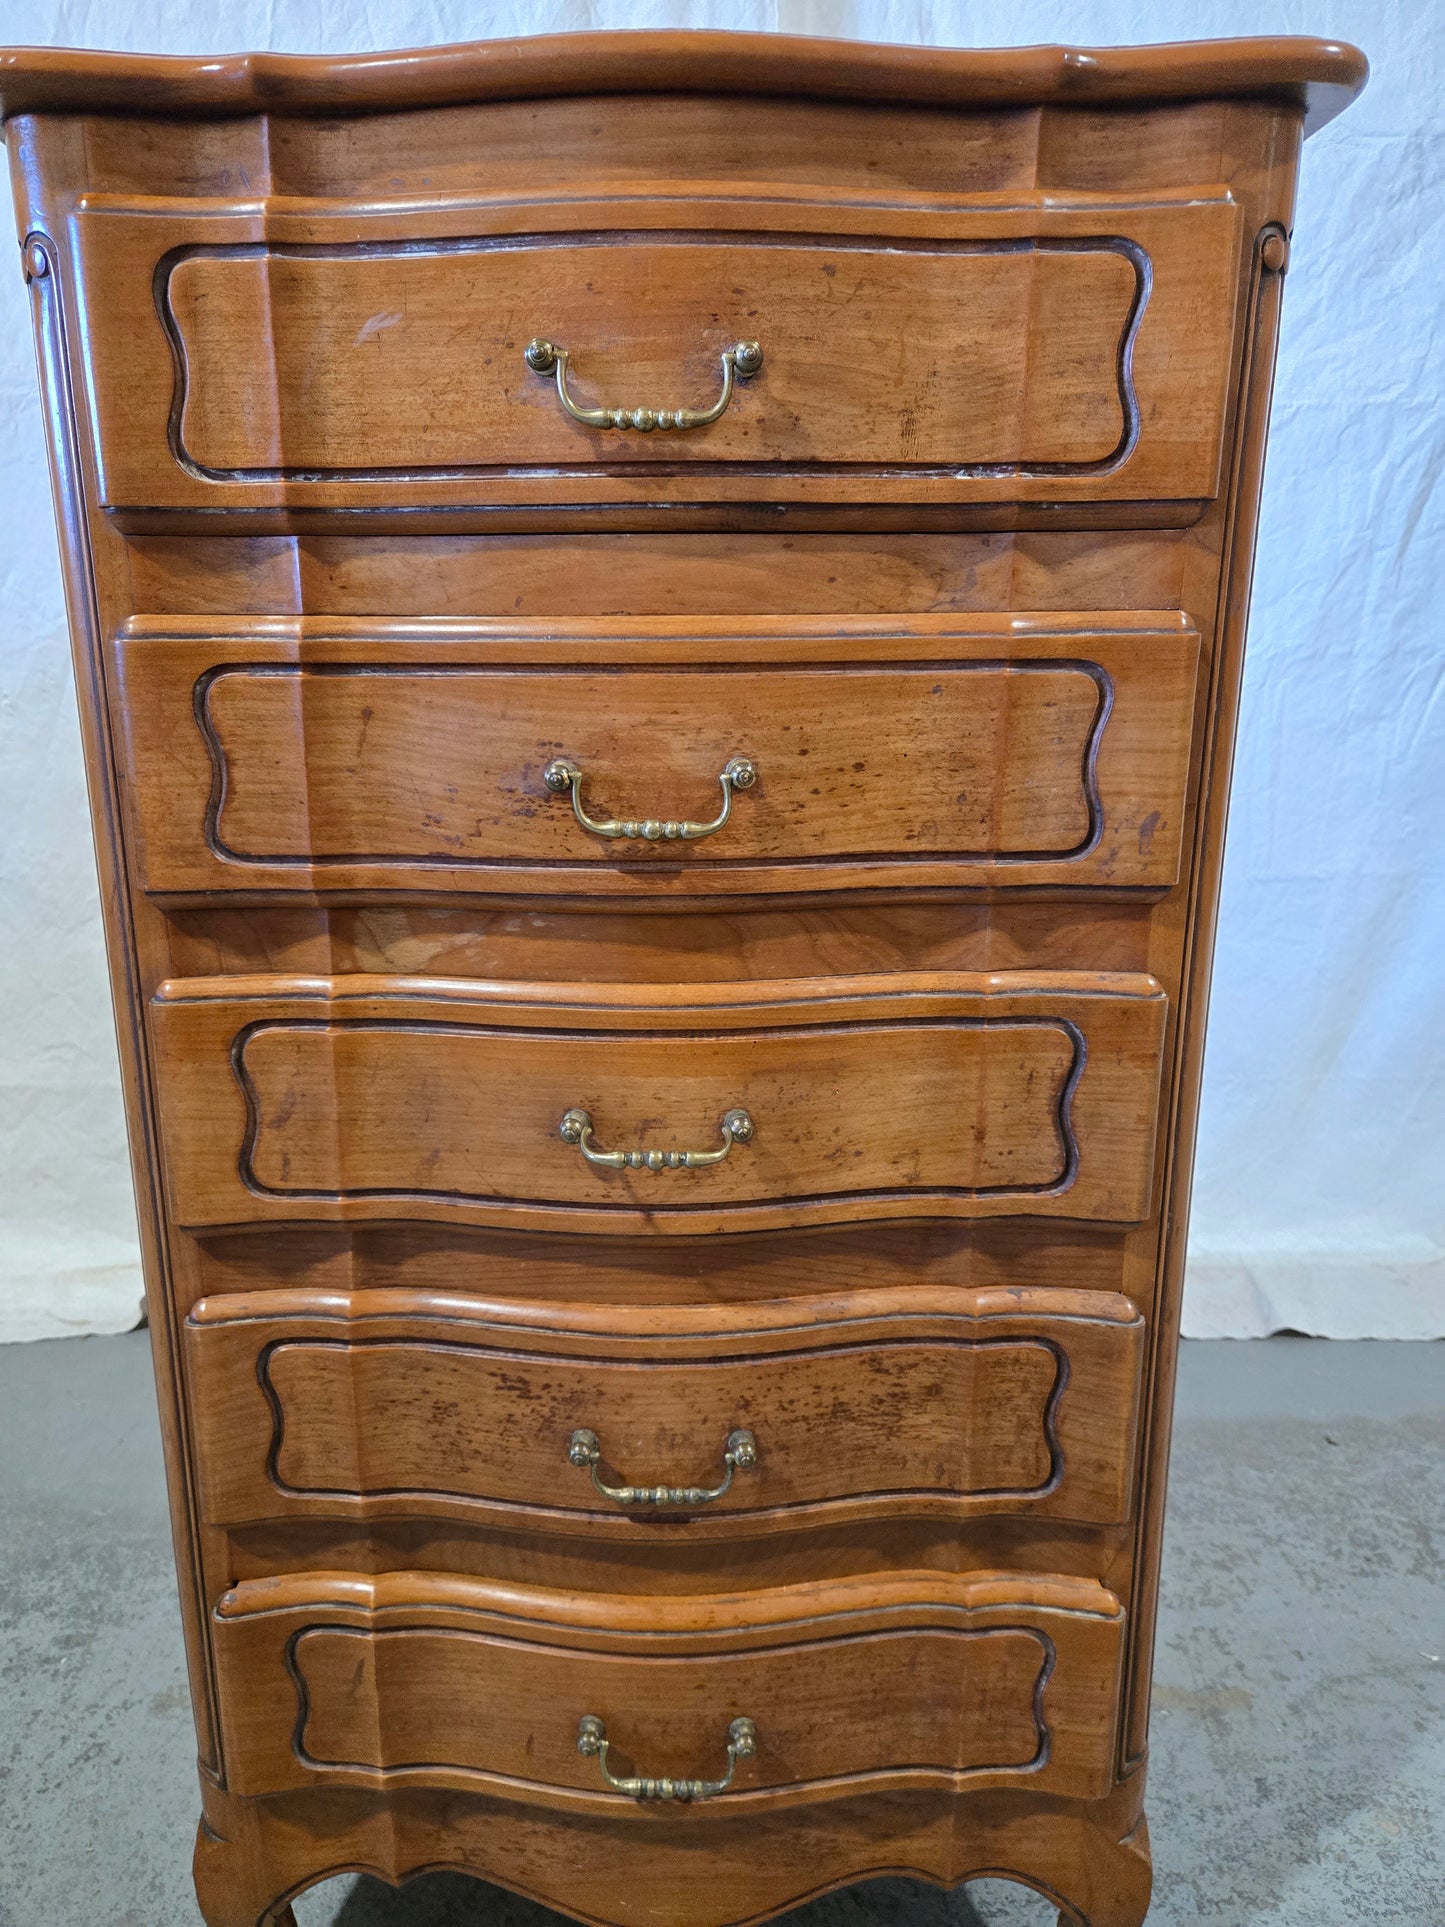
(361, 1247)
(1319, 77)
(875, 1404)
(878, 1097)
(921, 752)
(914, 1681)
(1095, 1852)
(1097, 360)
(367, 385)
(566, 573)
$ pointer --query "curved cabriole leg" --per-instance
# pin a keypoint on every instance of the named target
(1114, 1882)
(691, 1868)
(234, 1886)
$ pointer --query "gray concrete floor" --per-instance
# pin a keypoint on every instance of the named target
(1298, 1772)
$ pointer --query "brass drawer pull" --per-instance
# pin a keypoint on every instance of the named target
(562, 777)
(576, 1128)
(584, 1448)
(592, 1743)
(743, 360)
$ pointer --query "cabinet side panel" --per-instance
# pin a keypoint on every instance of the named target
(1261, 160)
(47, 170)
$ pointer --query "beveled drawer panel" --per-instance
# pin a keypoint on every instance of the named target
(916, 1681)
(659, 1108)
(925, 751)
(361, 357)
(919, 1402)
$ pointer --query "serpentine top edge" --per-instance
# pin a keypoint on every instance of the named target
(1320, 76)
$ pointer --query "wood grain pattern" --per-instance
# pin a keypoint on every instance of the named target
(716, 149)
(1320, 76)
(352, 755)
(1196, 917)
(877, 1404)
(354, 337)
(884, 1097)
(363, 394)
(645, 1276)
(918, 1681)
(249, 1853)
(571, 573)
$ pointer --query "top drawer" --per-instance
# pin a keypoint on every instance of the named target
(914, 355)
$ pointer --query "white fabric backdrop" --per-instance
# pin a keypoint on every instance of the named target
(1319, 1202)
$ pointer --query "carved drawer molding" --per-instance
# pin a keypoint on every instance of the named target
(659, 621)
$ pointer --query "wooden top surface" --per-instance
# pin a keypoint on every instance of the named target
(1322, 76)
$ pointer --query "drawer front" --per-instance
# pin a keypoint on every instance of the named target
(364, 359)
(915, 1682)
(1047, 750)
(916, 1402)
(671, 1109)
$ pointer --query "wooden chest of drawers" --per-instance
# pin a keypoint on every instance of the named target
(658, 622)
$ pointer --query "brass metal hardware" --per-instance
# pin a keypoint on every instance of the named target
(584, 1448)
(592, 1743)
(576, 1128)
(563, 777)
(743, 360)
